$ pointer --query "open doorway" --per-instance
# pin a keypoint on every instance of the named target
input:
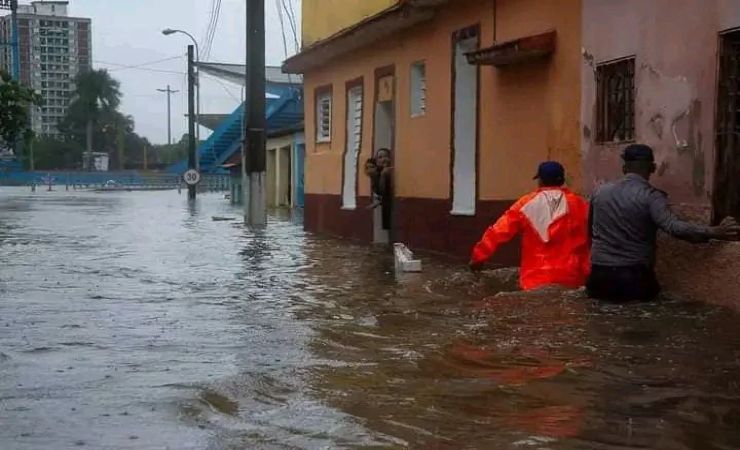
(298, 174)
(383, 137)
(284, 177)
(726, 194)
(271, 175)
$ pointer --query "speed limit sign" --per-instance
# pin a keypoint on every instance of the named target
(191, 177)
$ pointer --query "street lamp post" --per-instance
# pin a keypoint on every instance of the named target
(168, 32)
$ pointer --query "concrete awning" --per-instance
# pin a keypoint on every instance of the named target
(516, 51)
(237, 73)
(211, 121)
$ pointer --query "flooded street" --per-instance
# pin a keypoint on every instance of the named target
(135, 321)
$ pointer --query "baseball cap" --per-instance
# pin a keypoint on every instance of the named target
(638, 152)
(550, 170)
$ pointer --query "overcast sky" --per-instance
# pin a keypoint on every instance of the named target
(128, 32)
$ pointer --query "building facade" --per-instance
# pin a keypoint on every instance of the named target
(54, 48)
(469, 94)
(671, 82)
(284, 170)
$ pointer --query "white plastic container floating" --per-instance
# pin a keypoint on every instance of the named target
(404, 259)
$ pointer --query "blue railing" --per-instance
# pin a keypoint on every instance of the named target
(212, 150)
(283, 112)
(127, 179)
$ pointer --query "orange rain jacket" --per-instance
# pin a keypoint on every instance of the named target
(555, 241)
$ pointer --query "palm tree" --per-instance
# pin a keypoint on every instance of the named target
(115, 128)
(96, 92)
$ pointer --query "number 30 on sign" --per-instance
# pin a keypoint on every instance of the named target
(191, 177)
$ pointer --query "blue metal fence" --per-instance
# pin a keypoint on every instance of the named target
(130, 179)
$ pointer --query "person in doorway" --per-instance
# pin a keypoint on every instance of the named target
(380, 172)
(553, 223)
(623, 223)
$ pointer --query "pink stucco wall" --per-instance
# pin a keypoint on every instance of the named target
(675, 44)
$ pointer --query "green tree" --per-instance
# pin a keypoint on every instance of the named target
(171, 153)
(115, 127)
(15, 104)
(97, 94)
(52, 153)
(93, 117)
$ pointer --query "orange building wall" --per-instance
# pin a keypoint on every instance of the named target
(528, 113)
(533, 109)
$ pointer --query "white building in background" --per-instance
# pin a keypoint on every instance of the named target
(54, 48)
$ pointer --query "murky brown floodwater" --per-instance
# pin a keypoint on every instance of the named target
(132, 321)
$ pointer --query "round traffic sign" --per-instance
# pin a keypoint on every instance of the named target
(191, 177)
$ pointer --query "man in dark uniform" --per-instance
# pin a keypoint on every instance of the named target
(624, 220)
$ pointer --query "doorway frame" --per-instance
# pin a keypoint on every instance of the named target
(299, 161)
(469, 32)
(379, 235)
(282, 153)
(718, 213)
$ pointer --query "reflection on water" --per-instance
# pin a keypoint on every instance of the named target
(132, 320)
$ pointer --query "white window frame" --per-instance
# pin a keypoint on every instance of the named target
(323, 115)
(465, 104)
(418, 87)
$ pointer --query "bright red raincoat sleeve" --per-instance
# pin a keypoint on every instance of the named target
(501, 232)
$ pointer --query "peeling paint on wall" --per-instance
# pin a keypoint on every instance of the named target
(676, 97)
(656, 125)
(669, 114)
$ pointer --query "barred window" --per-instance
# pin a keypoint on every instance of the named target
(615, 101)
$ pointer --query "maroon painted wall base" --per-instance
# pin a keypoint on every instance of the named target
(421, 223)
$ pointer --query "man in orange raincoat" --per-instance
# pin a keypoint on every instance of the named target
(555, 239)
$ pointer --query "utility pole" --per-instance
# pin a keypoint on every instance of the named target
(169, 112)
(254, 149)
(191, 119)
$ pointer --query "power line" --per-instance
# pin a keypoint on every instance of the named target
(214, 28)
(293, 25)
(282, 25)
(137, 66)
(282, 29)
(225, 88)
(145, 69)
(204, 40)
(288, 7)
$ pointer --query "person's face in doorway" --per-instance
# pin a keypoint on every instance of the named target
(383, 158)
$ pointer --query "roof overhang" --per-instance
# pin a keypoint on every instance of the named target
(296, 128)
(403, 15)
(211, 121)
(516, 51)
(237, 73)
